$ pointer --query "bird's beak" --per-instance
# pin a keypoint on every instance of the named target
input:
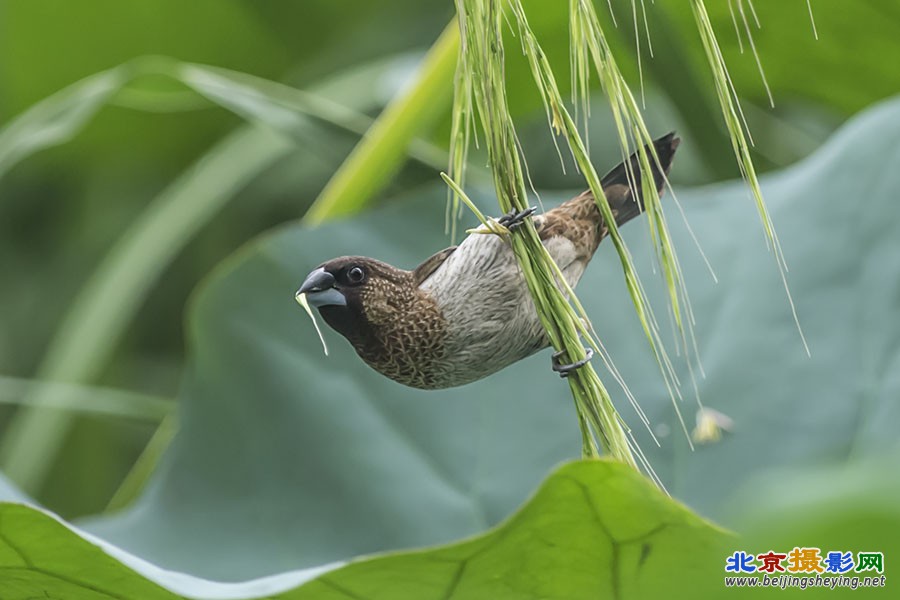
(319, 289)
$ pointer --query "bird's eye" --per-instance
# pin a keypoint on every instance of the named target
(356, 275)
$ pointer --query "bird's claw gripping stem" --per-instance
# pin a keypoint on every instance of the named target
(566, 370)
(515, 218)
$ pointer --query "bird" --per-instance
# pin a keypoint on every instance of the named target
(466, 312)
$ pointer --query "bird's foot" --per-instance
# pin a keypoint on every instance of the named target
(566, 370)
(515, 218)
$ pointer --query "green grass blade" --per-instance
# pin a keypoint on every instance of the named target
(58, 118)
(588, 43)
(480, 23)
(284, 108)
(687, 90)
(460, 140)
(137, 477)
(109, 300)
(380, 153)
(85, 399)
(734, 122)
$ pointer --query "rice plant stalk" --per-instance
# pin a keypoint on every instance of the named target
(589, 46)
(482, 44)
(482, 53)
(737, 128)
(85, 399)
(136, 479)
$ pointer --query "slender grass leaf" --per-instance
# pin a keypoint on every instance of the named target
(377, 157)
(146, 464)
(109, 300)
(484, 80)
(86, 399)
(737, 128)
(58, 118)
(287, 109)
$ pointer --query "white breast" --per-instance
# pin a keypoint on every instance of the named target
(485, 300)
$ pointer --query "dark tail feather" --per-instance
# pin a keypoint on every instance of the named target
(627, 200)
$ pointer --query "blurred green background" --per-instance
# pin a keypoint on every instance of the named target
(65, 210)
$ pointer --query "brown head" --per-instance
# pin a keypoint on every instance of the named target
(395, 327)
(351, 291)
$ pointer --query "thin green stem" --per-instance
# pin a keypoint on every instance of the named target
(480, 24)
(381, 151)
(140, 472)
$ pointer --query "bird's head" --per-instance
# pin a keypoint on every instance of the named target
(351, 291)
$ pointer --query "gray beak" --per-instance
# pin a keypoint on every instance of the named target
(319, 289)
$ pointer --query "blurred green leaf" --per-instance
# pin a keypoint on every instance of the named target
(85, 399)
(139, 474)
(592, 527)
(287, 109)
(10, 493)
(854, 507)
(816, 83)
(35, 35)
(98, 317)
(796, 64)
(109, 300)
(39, 555)
(58, 118)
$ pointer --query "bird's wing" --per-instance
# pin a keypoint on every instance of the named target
(430, 264)
(579, 220)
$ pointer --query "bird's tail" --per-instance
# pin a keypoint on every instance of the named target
(623, 189)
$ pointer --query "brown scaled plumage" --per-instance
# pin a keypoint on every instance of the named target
(466, 312)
